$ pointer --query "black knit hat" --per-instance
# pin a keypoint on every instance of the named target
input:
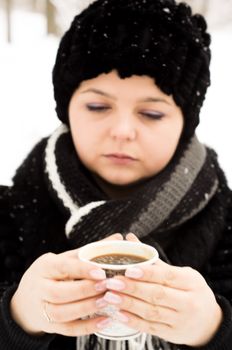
(158, 38)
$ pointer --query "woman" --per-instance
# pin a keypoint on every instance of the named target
(129, 81)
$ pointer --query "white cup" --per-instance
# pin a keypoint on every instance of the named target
(117, 330)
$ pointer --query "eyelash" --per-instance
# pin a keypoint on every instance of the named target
(99, 109)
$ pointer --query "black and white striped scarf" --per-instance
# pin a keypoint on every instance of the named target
(166, 201)
(162, 204)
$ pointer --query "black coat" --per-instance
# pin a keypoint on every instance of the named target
(32, 223)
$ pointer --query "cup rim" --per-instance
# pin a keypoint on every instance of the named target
(118, 243)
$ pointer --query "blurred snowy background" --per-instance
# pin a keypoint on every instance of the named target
(29, 37)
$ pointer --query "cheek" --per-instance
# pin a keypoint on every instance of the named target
(86, 142)
(171, 133)
(161, 146)
(84, 151)
(169, 143)
(84, 145)
(81, 133)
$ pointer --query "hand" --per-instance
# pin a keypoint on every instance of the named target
(173, 303)
(63, 289)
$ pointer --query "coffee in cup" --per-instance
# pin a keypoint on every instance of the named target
(115, 257)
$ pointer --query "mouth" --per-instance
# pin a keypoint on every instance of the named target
(120, 158)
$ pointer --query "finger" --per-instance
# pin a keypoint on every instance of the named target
(115, 236)
(62, 313)
(60, 292)
(74, 252)
(79, 327)
(61, 267)
(67, 266)
(152, 293)
(158, 329)
(132, 237)
(184, 278)
(147, 311)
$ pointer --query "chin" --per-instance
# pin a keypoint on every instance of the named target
(120, 182)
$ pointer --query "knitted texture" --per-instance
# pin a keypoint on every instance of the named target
(34, 214)
(17, 338)
(162, 203)
(159, 38)
(150, 209)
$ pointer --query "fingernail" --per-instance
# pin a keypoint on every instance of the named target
(101, 303)
(98, 274)
(134, 272)
(121, 317)
(132, 236)
(100, 286)
(104, 323)
(115, 284)
(118, 236)
(112, 298)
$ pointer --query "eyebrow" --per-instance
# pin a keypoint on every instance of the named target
(147, 99)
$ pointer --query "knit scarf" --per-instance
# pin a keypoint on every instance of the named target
(161, 205)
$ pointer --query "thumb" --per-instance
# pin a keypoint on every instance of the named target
(132, 237)
(115, 236)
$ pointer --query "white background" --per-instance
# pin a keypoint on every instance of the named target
(26, 95)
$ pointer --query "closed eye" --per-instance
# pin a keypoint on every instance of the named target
(100, 108)
(95, 108)
(155, 116)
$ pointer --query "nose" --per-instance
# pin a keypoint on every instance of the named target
(123, 128)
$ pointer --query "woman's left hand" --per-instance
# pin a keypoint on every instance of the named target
(173, 303)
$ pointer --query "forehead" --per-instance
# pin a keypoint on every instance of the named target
(113, 86)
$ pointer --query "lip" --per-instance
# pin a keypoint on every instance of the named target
(120, 158)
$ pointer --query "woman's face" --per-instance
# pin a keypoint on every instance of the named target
(124, 130)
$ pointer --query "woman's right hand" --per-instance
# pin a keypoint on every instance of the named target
(56, 292)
